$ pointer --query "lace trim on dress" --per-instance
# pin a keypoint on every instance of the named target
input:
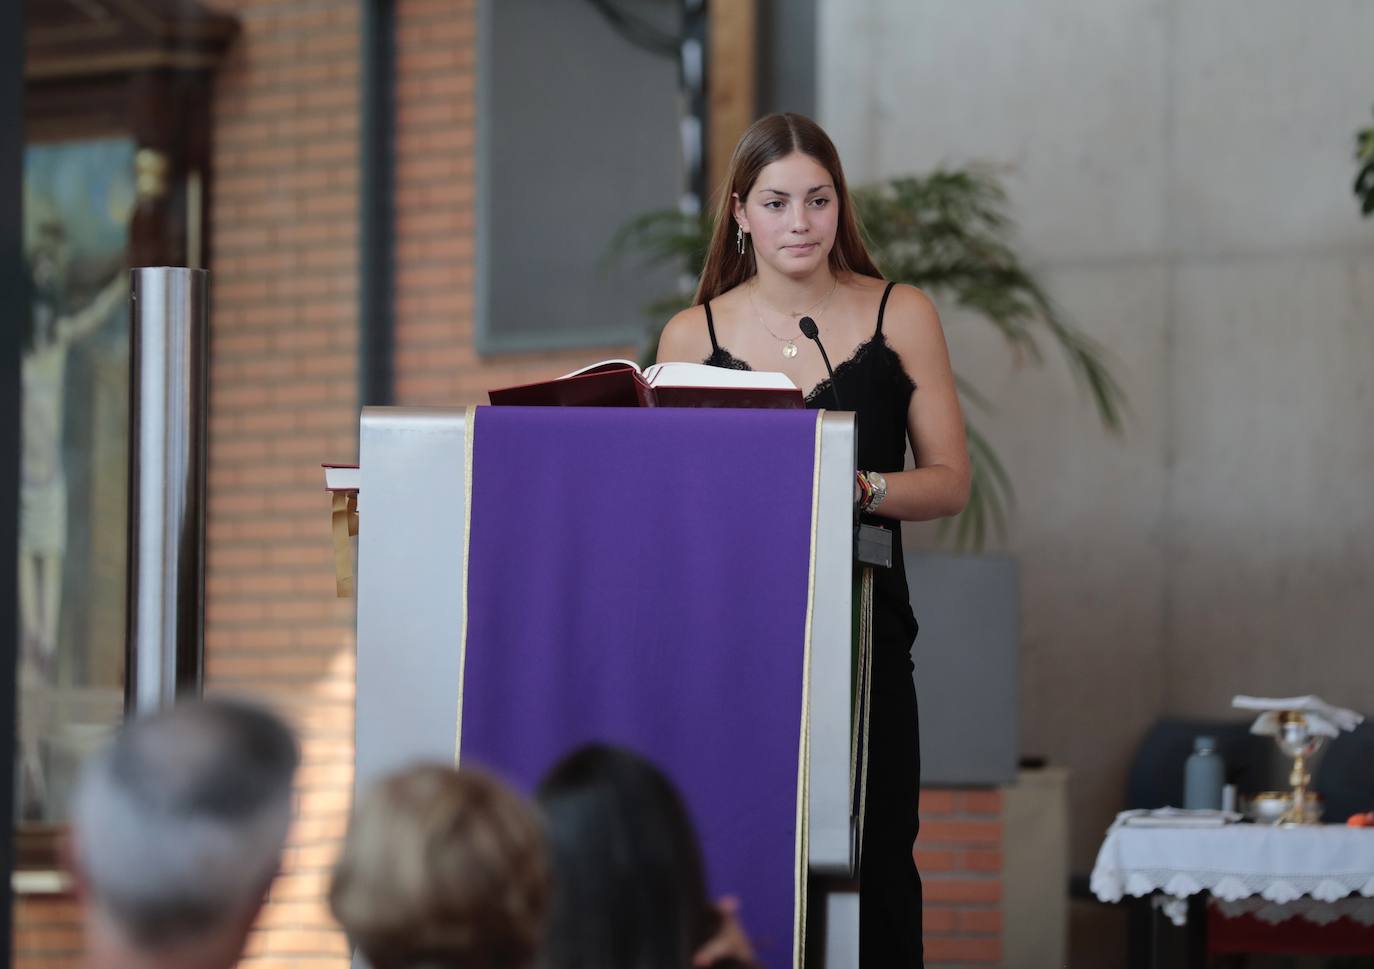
(720, 357)
(724, 358)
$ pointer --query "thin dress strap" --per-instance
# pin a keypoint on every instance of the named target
(881, 308)
(711, 327)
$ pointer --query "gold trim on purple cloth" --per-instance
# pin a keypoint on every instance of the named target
(469, 435)
(804, 747)
(863, 693)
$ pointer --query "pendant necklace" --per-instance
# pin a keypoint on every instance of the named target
(789, 344)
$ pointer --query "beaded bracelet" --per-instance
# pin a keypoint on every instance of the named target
(866, 489)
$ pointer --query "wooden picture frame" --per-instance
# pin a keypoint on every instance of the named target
(131, 79)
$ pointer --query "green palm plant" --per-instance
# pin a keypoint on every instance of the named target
(949, 234)
(1364, 181)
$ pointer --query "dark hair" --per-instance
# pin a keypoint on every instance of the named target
(629, 889)
(768, 139)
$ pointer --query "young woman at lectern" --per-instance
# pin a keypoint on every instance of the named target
(786, 246)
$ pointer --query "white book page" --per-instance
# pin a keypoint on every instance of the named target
(598, 365)
(701, 375)
(342, 479)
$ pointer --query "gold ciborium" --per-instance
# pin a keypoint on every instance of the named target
(1297, 740)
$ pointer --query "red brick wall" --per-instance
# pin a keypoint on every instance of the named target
(283, 395)
(959, 853)
(436, 360)
(47, 932)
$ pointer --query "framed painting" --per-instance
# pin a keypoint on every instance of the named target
(78, 198)
(116, 173)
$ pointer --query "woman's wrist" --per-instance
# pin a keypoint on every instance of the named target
(863, 490)
(872, 490)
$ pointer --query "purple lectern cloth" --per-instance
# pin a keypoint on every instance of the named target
(640, 577)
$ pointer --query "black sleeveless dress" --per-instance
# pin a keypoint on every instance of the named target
(874, 384)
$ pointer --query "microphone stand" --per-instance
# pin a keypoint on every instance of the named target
(813, 333)
(872, 543)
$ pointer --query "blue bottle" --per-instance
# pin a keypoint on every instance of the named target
(1204, 776)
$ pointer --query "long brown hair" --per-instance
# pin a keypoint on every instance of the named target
(768, 139)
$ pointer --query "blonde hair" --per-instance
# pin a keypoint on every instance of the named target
(443, 868)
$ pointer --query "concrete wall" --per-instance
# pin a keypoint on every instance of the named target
(1181, 173)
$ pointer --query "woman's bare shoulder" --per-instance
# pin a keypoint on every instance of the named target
(862, 283)
(684, 337)
(732, 300)
(912, 327)
(687, 337)
(910, 313)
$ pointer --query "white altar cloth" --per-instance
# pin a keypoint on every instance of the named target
(1273, 866)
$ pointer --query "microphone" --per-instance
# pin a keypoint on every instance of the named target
(811, 332)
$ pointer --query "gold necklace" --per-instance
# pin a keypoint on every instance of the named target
(834, 282)
(789, 346)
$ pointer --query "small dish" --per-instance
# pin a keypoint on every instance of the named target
(1268, 807)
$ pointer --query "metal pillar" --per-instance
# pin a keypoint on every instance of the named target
(167, 446)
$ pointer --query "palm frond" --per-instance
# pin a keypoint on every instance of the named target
(1364, 180)
(659, 237)
(947, 233)
(1364, 187)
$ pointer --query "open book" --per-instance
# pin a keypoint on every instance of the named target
(620, 383)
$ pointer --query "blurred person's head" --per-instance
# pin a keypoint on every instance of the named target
(785, 186)
(629, 886)
(443, 869)
(177, 829)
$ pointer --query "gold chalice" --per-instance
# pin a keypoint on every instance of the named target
(1296, 739)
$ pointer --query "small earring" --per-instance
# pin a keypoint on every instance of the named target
(739, 239)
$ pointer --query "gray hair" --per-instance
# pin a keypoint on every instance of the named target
(180, 822)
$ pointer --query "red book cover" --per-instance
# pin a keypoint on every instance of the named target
(613, 384)
(619, 383)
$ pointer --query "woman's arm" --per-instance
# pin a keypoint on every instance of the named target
(938, 487)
